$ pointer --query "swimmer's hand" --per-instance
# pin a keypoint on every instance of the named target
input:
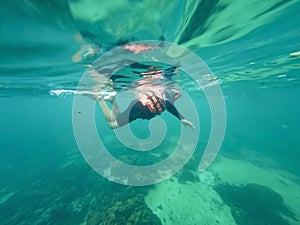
(185, 122)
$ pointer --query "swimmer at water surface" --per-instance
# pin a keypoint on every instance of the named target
(152, 98)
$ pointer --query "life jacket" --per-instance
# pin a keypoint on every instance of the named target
(156, 105)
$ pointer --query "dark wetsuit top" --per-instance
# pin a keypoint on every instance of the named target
(137, 110)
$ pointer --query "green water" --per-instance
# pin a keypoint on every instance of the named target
(246, 44)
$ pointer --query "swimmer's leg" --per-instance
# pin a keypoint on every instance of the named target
(109, 115)
(111, 98)
(115, 108)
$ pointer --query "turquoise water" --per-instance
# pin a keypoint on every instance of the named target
(250, 46)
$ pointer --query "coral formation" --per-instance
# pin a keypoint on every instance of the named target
(127, 211)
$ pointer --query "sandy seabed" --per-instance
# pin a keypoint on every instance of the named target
(199, 202)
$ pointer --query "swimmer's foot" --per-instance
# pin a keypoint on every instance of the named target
(110, 96)
(90, 94)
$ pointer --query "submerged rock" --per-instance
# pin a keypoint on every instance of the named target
(254, 204)
(186, 176)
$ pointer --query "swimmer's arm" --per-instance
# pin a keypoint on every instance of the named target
(185, 122)
(172, 109)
